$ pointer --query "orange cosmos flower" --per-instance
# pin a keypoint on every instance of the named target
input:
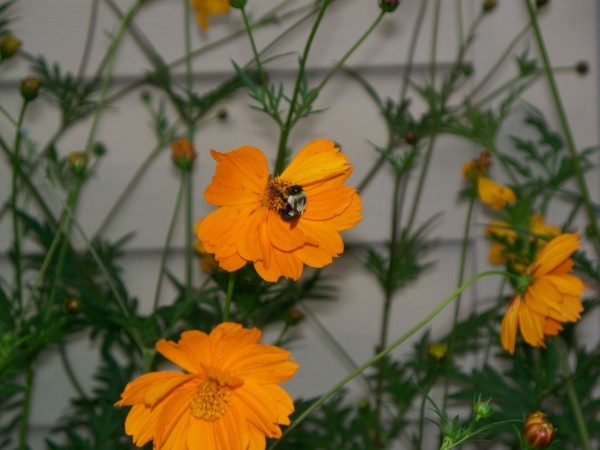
(494, 194)
(229, 399)
(279, 222)
(551, 295)
(206, 8)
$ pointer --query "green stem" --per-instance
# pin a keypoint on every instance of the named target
(499, 62)
(434, 42)
(16, 168)
(70, 372)
(383, 353)
(420, 184)
(286, 127)
(137, 176)
(89, 39)
(572, 394)
(108, 72)
(26, 407)
(566, 128)
(461, 277)
(228, 297)
(459, 23)
(261, 71)
(167, 246)
(387, 303)
(188, 229)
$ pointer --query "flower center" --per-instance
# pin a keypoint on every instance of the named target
(211, 401)
(288, 199)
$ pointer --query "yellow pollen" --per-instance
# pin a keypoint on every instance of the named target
(276, 194)
(211, 401)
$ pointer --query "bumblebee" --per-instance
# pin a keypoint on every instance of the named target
(295, 203)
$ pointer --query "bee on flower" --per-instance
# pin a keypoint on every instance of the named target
(279, 222)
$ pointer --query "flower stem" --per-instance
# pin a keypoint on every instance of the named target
(228, 296)
(26, 406)
(420, 184)
(566, 128)
(167, 246)
(70, 372)
(15, 213)
(384, 352)
(572, 394)
(461, 277)
(287, 125)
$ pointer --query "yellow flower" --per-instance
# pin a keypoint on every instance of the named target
(279, 222)
(536, 227)
(229, 398)
(551, 296)
(494, 194)
(206, 8)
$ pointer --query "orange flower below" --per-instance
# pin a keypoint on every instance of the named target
(551, 295)
(229, 399)
(279, 223)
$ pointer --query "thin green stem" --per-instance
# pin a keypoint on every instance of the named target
(339, 385)
(566, 128)
(16, 167)
(572, 394)
(461, 277)
(137, 176)
(70, 372)
(286, 126)
(108, 72)
(499, 62)
(459, 23)
(167, 246)
(261, 71)
(434, 42)
(420, 184)
(188, 229)
(89, 39)
(187, 38)
(26, 407)
(387, 303)
(228, 296)
(340, 351)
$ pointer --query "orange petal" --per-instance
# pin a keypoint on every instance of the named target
(494, 194)
(173, 423)
(552, 327)
(314, 256)
(141, 423)
(349, 217)
(542, 296)
(282, 264)
(249, 239)
(317, 162)
(286, 236)
(325, 234)
(258, 409)
(508, 331)
(192, 348)
(555, 253)
(532, 325)
(201, 434)
(241, 177)
(329, 203)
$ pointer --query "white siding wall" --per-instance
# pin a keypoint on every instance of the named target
(57, 28)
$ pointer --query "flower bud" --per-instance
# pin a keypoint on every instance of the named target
(582, 67)
(222, 115)
(72, 305)
(388, 5)
(293, 316)
(78, 162)
(238, 4)
(541, 3)
(489, 6)
(30, 86)
(9, 45)
(410, 137)
(183, 153)
(437, 351)
(537, 430)
(482, 410)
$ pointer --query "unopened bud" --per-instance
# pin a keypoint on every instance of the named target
(238, 4)
(183, 153)
(222, 115)
(78, 162)
(582, 67)
(30, 86)
(9, 45)
(388, 5)
(72, 305)
(541, 3)
(410, 137)
(537, 430)
(489, 5)
(293, 316)
(482, 410)
(437, 351)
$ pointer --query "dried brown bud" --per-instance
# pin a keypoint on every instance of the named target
(582, 67)
(72, 305)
